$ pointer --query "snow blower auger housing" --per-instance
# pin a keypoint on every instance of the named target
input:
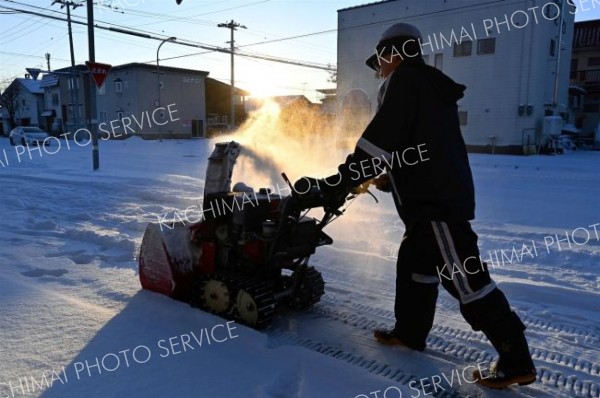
(247, 256)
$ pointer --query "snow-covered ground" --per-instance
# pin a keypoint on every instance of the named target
(72, 313)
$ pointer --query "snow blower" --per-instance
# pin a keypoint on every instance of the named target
(248, 256)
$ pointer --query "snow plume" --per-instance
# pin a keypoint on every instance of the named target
(302, 141)
(297, 139)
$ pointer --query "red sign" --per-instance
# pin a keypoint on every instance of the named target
(99, 71)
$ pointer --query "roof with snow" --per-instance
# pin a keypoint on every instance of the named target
(33, 86)
(49, 80)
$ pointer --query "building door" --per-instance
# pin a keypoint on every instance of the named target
(197, 128)
(439, 61)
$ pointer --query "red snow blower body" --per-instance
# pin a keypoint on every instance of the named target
(248, 254)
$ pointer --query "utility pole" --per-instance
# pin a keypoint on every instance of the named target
(232, 25)
(74, 76)
(48, 61)
(172, 38)
(558, 58)
(90, 104)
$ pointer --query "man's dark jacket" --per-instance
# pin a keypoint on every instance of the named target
(418, 118)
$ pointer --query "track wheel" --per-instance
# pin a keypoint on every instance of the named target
(255, 304)
(310, 289)
(215, 296)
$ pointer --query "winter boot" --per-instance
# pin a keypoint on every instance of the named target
(392, 337)
(414, 309)
(514, 365)
(500, 376)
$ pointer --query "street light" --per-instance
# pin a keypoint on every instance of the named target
(158, 78)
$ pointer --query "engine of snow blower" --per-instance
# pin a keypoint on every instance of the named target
(249, 253)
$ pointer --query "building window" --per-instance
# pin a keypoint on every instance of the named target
(486, 46)
(102, 89)
(119, 115)
(426, 59)
(23, 102)
(439, 61)
(103, 116)
(54, 99)
(463, 49)
(118, 86)
(594, 61)
(160, 85)
(224, 119)
(71, 109)
(552, 47)
(73, 83)
(126, 84)
(463, 117)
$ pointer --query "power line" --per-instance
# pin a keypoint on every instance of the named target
(30, 55)
(290, 38)
(207, 46)
(188, 43)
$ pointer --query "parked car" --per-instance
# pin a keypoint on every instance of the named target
(28, 136)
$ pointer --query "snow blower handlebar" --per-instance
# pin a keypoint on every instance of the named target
(308, 193)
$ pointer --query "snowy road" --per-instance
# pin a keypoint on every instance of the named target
(70, 292)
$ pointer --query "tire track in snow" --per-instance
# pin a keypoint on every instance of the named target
(546, 325)
(371, 365)
(529, 320)
(551, 378)
(581, 365)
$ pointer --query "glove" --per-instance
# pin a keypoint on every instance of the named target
(305, 184)
(334, 195)
(382, 183)
(333, 191)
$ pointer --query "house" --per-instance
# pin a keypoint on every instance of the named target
(218, 104)
(22, 103)
(52, 114)
(513, 57)
(135, 99)
(585, 73)
(297, 116)
(328, 100)
(64, 100)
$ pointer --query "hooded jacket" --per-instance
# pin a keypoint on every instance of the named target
(415, 136)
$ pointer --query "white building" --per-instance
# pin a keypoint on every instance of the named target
(514, 57)
(27, 99)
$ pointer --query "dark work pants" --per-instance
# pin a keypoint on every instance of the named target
(434, 252)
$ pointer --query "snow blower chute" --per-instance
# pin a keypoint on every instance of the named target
(248, 254)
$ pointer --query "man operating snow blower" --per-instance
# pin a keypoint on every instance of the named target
(417, 124)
